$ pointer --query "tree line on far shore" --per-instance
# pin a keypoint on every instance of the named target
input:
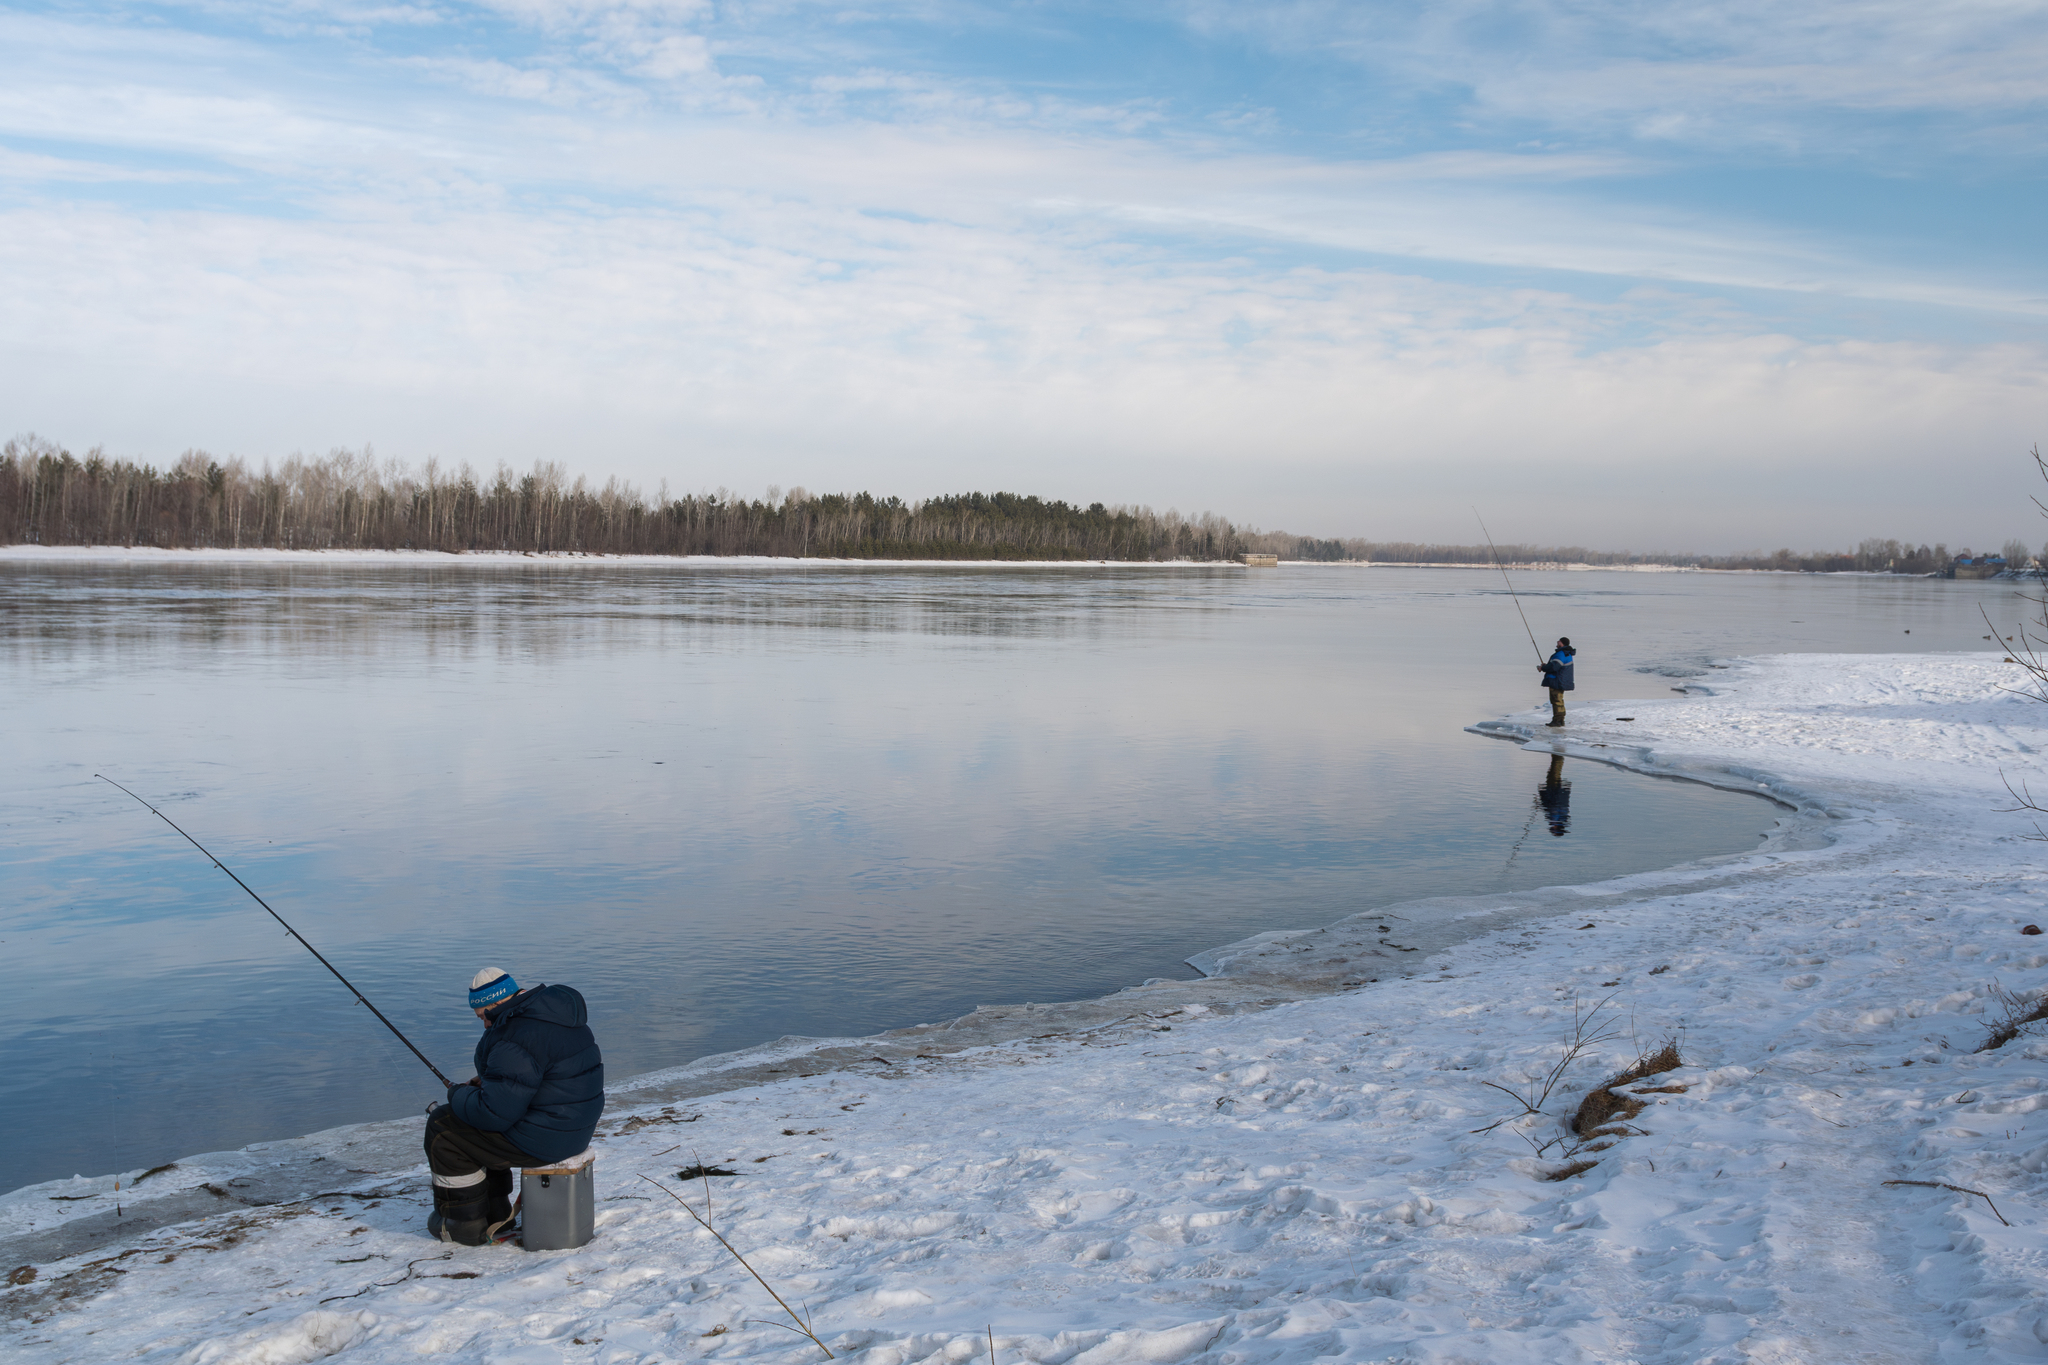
(350, 501)
(1355, 550)
(1870, 556)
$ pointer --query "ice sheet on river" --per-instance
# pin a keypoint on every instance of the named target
(1270, 1164)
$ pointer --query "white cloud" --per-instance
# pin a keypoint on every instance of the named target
(593, 242)
(35, 168)
(1696, 69)
(576, 14)
(972, 161)
(669, 56)
(922, 357)
(557, 86)
(655, 39)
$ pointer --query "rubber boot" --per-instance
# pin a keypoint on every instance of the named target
(501, 1208)
(458, 1216)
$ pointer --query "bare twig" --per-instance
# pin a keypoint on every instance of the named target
(387, 1284)
(1586, 1031)
(1570, 1147)
(771, 1322)
(2027, 649)
(2026, 652)
(1944, 1185)
(801, 1325)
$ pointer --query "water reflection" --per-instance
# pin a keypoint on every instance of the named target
(732, 803)
(1554, 798)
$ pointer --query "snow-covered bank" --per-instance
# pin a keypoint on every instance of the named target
(1192, 1182)
(147, 554)
(1528, 566)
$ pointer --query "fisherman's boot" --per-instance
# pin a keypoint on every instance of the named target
(458, 1214)
(501, 1207)
(1556, 721)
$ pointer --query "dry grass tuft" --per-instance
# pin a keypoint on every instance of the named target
(2015, 1015)
(1575, 1168)
(1664, 1059)
(1603, 1107)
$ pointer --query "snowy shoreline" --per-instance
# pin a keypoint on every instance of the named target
(1272, 1163)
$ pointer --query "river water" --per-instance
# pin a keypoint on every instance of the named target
(731, 802)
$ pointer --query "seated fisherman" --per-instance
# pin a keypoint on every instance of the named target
(535, 1100)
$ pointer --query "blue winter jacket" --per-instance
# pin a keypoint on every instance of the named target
(543, 1079)
(1557, 672)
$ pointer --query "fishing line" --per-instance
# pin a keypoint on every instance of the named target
(1535, 805)
(1510, 582)
(289, 930)
(114, 1122)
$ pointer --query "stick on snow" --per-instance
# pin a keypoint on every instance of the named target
(1944, 1185)
(289, 930)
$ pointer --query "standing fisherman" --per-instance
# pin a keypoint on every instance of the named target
(1557, 676)
(535, 1099)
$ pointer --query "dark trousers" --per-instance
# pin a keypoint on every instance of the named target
(472, 1166)
(1557, 703)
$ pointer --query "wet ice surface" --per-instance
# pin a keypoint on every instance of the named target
(733, 803)
(1322, 1178)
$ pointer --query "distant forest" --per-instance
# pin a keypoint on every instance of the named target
(1870, 556)
(48, 496)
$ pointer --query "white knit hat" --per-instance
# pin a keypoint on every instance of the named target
(491, 986)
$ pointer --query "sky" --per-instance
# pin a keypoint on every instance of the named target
(1679, 277)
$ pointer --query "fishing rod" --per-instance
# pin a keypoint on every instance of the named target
(1510, 582)
(289, 930)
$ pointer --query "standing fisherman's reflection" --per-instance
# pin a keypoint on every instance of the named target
(1555, 796)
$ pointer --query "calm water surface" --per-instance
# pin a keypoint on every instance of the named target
(731, 803)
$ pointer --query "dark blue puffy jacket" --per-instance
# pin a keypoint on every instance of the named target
(1557, 673)
(543, 1080)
